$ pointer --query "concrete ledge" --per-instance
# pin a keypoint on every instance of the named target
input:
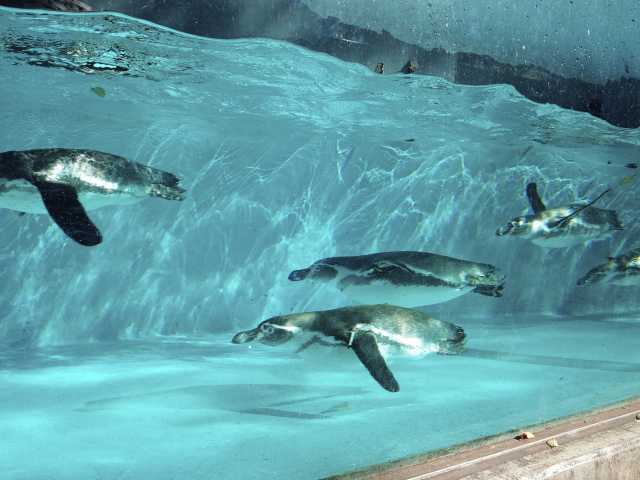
(603, 445)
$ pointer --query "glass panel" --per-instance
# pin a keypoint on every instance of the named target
(134, 294)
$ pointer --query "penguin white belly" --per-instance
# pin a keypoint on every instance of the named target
(402, 296)
(410, 347)
(563, 241)
(405, 344)
(22, 196)
(626, 280)
(93, 201)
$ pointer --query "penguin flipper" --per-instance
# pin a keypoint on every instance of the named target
(65, 209)
(613, 216)
(365, 346)
(386, 266)
(534, 199)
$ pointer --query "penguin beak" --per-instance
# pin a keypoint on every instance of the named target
(298, 275)
(590, 278)
(504, 230)
(245, 337)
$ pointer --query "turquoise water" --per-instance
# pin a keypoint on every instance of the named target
(117, 358)
(206, 409)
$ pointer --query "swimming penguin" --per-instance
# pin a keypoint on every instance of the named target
(65, 183)
(407, 279)
(562, 226)
(623, 270)
(365, 329)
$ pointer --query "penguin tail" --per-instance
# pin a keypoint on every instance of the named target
(166, 185)
(490, 290)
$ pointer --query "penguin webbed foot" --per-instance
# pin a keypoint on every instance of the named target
(167, 192)
(490, 290)
(315, 340)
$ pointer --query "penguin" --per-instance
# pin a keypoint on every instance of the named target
(623, 270)
(404, 278)
(562, 227)
(369, 330)
(65, 183)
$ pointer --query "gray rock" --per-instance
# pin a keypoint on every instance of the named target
(60, 5)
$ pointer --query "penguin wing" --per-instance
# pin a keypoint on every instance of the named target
(386, 268)
(66, 210)
(580, 208)
(534, 199)
(365, 346)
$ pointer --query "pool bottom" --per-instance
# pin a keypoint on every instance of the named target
(201, 409)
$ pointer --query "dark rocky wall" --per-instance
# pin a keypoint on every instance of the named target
(60, 5)
(617, 101)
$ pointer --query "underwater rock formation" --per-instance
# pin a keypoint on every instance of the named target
(61, 5)
(617, 102)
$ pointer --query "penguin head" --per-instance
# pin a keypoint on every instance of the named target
(318, 271)
(517, 226)
(272, 331)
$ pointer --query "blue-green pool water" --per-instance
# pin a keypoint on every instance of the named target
(180, 408)
(116, 361)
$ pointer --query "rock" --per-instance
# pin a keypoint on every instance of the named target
(552, 443)
(409, 67)
(60, 5)
(525, 436)
(292, 20)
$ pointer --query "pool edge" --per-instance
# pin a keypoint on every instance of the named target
(600, 444)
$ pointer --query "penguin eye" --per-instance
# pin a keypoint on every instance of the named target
(266, 328)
